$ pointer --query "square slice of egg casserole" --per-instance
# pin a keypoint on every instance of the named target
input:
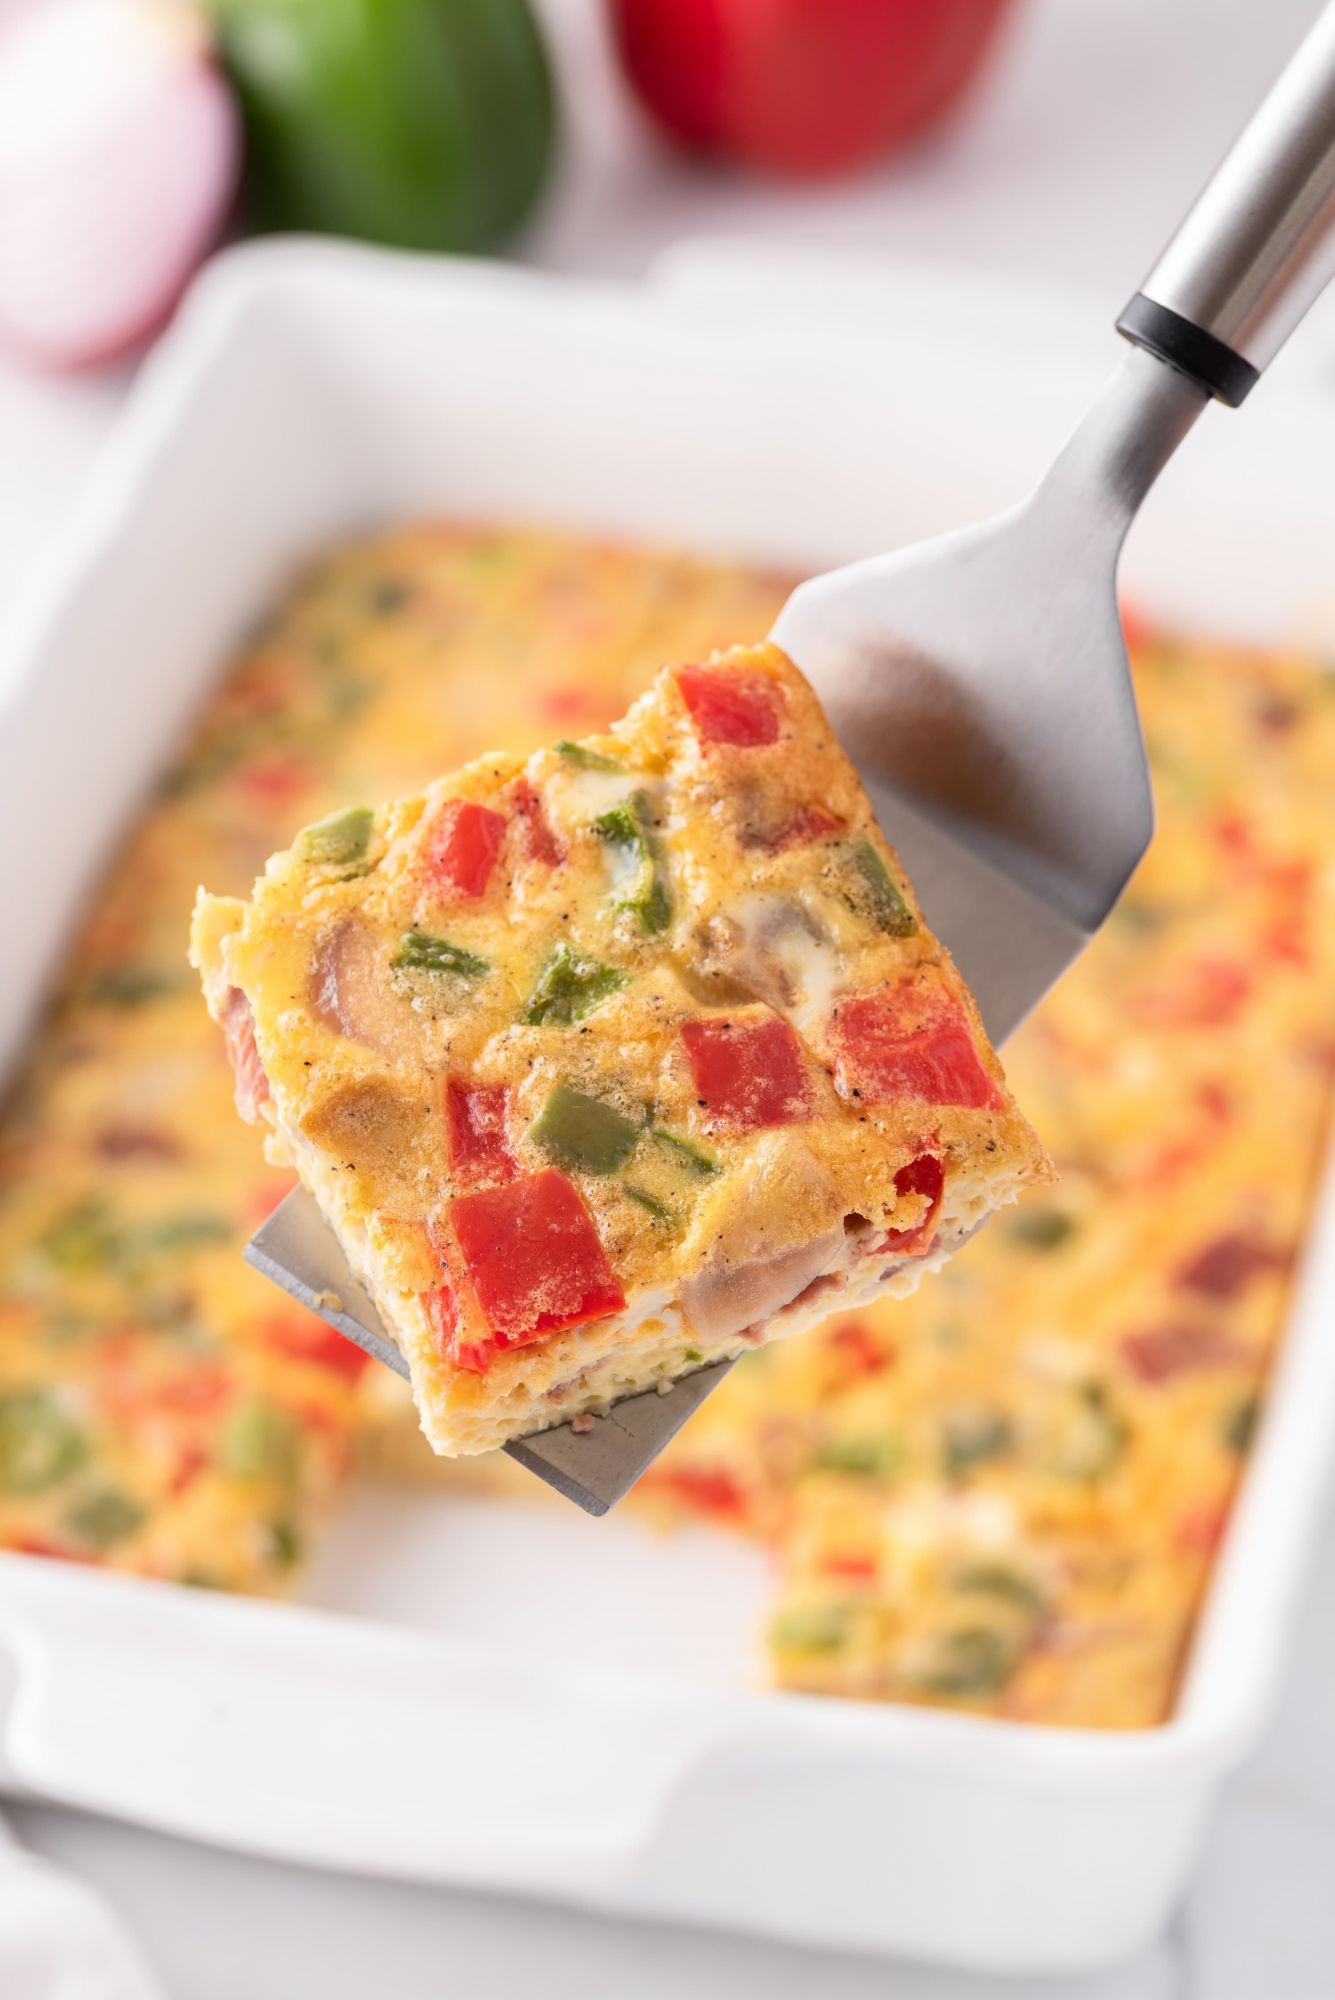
(609, 1062)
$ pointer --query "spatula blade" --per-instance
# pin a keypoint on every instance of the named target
(595, 1466)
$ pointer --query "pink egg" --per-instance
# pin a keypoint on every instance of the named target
(119, 151)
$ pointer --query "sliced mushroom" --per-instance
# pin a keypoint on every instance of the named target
(761, 1258)
(770, 948)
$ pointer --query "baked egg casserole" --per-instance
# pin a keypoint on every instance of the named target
(618, 1060)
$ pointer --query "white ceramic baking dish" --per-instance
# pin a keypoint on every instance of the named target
(533, 1700)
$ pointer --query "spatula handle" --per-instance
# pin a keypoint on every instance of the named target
(1259, 245)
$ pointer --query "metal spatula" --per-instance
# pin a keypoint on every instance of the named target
(980, 682)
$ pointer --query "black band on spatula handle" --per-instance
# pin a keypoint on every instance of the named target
(1212, 363)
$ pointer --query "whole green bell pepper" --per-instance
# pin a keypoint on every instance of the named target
(423, 124)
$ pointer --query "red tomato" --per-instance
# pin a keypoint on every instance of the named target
(540, 843)
(726, 706)
(802, 86)
(748, 1073)
(476, 1128)
(534, 1258)
(925, 1176)
(907, 1043)
(462, 847)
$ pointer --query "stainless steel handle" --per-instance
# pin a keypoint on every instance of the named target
(1259, 245)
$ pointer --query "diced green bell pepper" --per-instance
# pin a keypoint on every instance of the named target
(569, 987)
(337, 841)
(39, 1444)
(1040, 1228)
(284, 1543)
(1240, 1424)
(867, 1457)
(687, 1154)
(628, 828)
(586, 759)
(811, 1629)
(1091, 1439)
(583, 1134)
(651, 1205)
(975, 1660)
(997, 1579)
(971, 1437)
(129, 986)
(190, 1231)
(880, 893)
(103, 1518)
(421, 952)
(82, 1240)
(259, 1442)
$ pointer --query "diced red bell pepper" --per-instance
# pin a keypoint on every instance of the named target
(858, 1350)
(731, 705)
(573, 704)
(924, 1176)
(748, 1072)
(540, 842)
(310, 1339)
(476, 1127)
(442, 1311)
(1212, 1112)
(850, 1566)
(275, 780)
(1199, 1530)
(40, 1545)
(534, 1258)
(907, 1042)
(710, 1488)
(462, 847)
(251, 1085)
(1208, 993)
(1161, 1353)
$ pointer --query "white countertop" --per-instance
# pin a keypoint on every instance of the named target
(1134, 99)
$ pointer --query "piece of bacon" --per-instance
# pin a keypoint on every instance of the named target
(1157, 1354)
(251, 1085)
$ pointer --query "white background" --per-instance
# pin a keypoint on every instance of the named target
(1098, 124)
